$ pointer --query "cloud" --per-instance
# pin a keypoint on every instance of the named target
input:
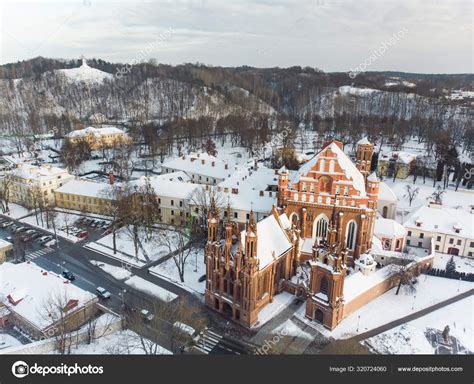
(332, 35)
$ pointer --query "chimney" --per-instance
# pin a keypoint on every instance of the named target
(226, 166)
(472, 209)
(213, 163)
(111, 178)
(235, 191)
(202, 161)
(261, 193)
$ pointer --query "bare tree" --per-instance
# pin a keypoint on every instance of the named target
(437, 195)
(5, 192)
(200, 204)
(411, 193)
(406, 276)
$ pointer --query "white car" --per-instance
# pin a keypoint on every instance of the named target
(103, 293)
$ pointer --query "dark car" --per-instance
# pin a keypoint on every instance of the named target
(68, 275)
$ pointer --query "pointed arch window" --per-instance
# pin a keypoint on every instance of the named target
(324, 285)
(351, 234)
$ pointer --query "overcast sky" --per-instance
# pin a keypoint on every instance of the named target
(334, 35)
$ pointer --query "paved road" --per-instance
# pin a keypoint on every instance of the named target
(75, 258)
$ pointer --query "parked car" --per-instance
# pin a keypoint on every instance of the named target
(30, 231)
(21, 229)
(36, 235)
(45, 239)
(82, 234)
(6, 224)
(68, 275)
(50, 243)
(146, 315)
(9, 238)
(103, 293)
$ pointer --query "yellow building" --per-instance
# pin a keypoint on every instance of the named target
(29, 184)
(84, 195)
(396, 162)
(100, 137)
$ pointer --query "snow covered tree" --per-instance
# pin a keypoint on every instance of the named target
(446, 333)
(437, 194)
(450, 266)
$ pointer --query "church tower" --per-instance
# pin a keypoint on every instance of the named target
(365, 150)
(326, 288)
(283, 178)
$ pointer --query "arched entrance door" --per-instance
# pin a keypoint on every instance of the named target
(319, 316)
(453, 251)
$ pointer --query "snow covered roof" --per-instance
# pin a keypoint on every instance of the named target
(174, 176)
(97, 132)
(388, 228)
(168, 188)
(373, 177)
(5, 244)
(365, 259)
(82, 187)
(443, 220)
(30, 288)
(350, 170)
(364, 141)
(201, 164)
(404, 157)
(86, 74)
(34, 172)
(272, 240)
(249, 176)
(386, 193)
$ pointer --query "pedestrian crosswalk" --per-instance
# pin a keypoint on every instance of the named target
(207, 340)
(38, 253)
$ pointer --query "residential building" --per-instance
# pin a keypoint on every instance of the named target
(41, 303)
(31, 185)
(398, 163)
(104, 137)
(84, 195)
(387, 201)
(452, 230)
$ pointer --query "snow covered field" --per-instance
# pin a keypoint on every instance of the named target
(168, 270)
(16, 211)
(150, 288)
(430, 290)
(7, 341)
(409, 338)
(451, 199)
(463, 264)
(126, 250)
(124, 342)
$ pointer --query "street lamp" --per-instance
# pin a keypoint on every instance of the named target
(413, 306)
(459, 285)
(358, 321)
(122, 295)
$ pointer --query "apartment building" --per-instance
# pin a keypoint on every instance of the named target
(29, 183)
(452, 230)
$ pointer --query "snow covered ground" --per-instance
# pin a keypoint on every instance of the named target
(150, 288)
(463, 264)
(154, 248)
(116, 272)
(280, 302)
(430, 290)
(61, 220)
(168, 270)
(410, 338)
(451, 198)
(16, 211)
(124, 342)
(7, 341)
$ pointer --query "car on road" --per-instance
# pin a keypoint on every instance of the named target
(44, 239)
(82, 234)
(202, 278)
(146, 315)
(50, 243)
(102, 293)
(68, 275)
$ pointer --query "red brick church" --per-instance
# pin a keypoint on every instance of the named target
(324, 220)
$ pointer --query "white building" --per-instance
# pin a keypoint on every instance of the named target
(30, 183)
(202, 168)
(452, 230)
(387, 201)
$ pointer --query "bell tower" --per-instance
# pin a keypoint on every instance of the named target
(365, 150)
